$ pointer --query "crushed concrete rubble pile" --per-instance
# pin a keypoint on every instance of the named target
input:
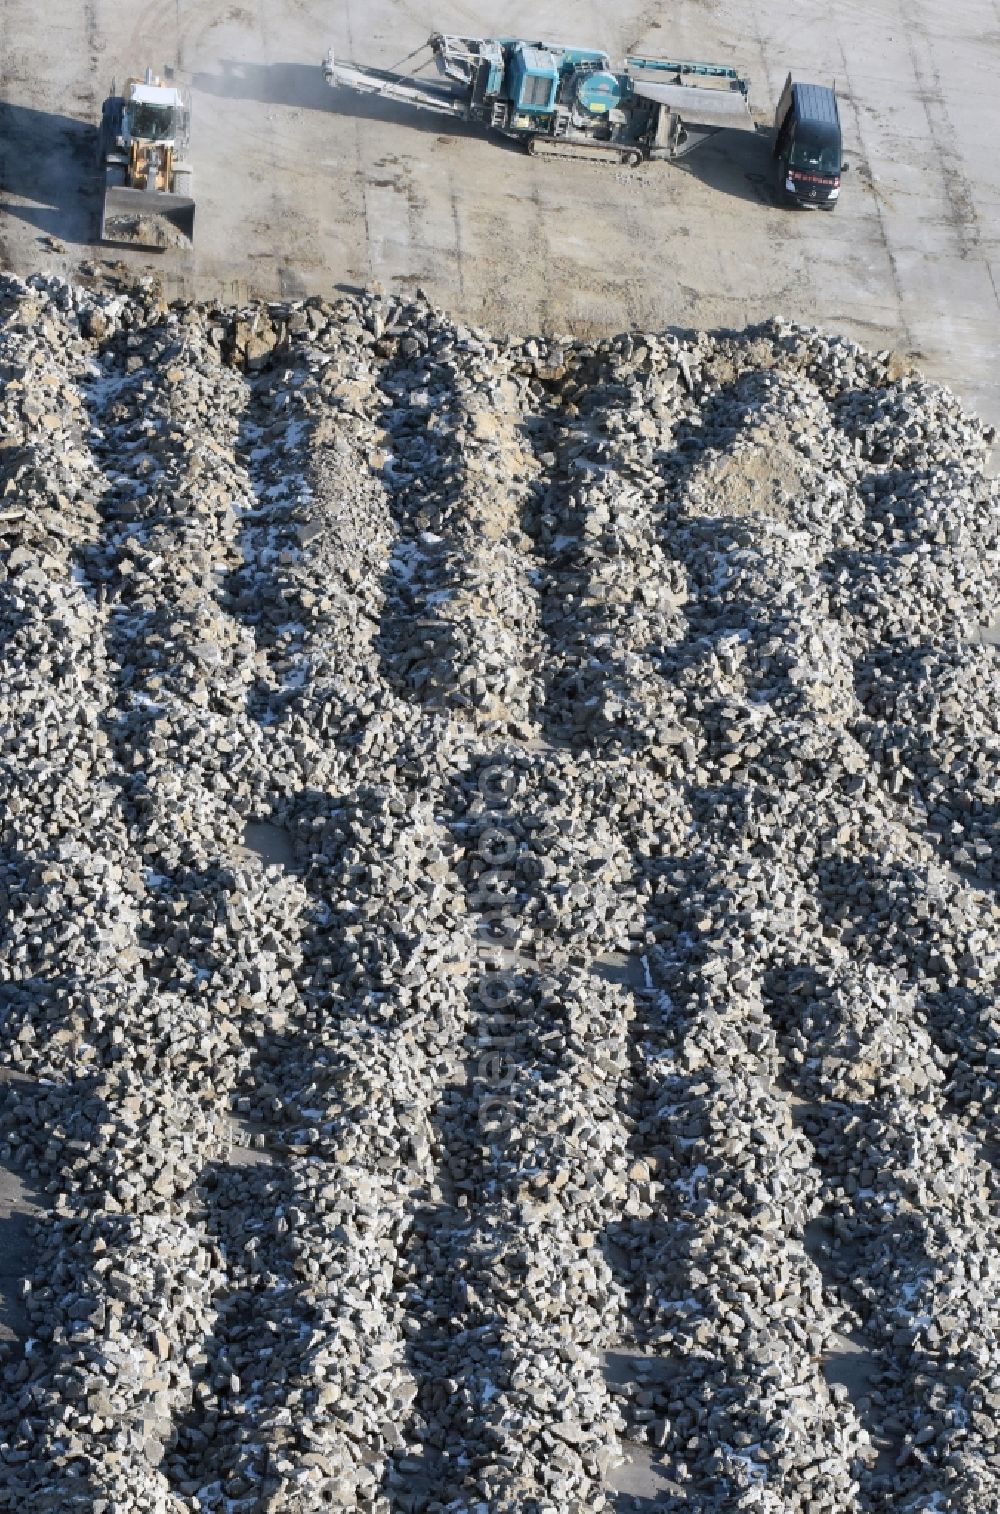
(500, 929)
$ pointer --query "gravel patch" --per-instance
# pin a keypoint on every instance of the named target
(500, 922)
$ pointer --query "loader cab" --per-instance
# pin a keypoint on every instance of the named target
(150, 123)
(156, 113)
(808, 147)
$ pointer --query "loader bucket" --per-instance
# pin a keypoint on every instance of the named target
(146, 218)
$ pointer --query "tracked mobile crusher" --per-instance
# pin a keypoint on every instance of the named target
(566, 101)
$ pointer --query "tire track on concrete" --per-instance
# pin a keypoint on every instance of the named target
(897, 283)
(954, 181)
(360, 156)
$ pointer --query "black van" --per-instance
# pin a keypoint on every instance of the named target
(807, 146)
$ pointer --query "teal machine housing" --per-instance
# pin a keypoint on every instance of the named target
(539, 73)
(534, 79)
(600, 92)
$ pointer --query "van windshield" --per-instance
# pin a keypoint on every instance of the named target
(817, 157)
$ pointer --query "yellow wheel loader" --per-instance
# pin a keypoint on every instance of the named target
(144, 137)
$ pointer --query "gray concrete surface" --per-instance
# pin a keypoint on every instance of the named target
(19, 1207)
(16, 1252)
(300, 189)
